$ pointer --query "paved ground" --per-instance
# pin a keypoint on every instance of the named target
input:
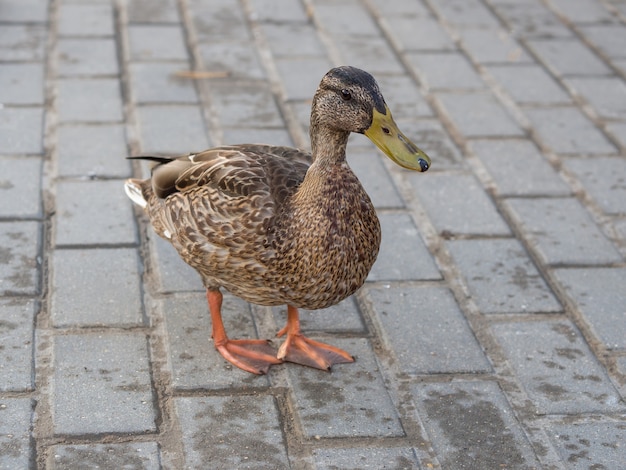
(492, 331)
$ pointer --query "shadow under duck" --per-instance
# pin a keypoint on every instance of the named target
(279, 226)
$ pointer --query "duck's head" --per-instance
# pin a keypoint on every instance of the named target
(349, 100)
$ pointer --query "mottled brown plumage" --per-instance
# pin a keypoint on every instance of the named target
(275, 225)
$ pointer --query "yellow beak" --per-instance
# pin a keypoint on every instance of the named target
(386, 136)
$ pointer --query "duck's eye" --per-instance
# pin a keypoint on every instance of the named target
(346, 95)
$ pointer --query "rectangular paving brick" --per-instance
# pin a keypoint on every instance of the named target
(157, 83)
(403, 97)
(241, 431)
(293, 39)
(600, 295)
(605, 180)
(102, 384)
(77, 19)
(568, 56)
(464, 13)
(567, 130)
(15, 441)
(607, 37)
(478, 115)
(194, 360)
(403, 255)
(531, 19)
(300, 77)
(493, 45)
(136, 455)
(529, 84)
(556, 368)
(22, 42)
(156, 42)
(418, 33)
(349, 17)
(400, 8)
(93, 213)
(351, 401)
(20, 258)
(22, 83)
(365, 458)
(172, 274)
(239, 60)
(89, 100)
(174, 129)
(269, 10)
(518, 168)
(239, 135)
(21, 130)
(430, 136)
(20, 180)
(582, 11)
(590, 445)
(457, 204)
(471, 425)
(96, 287)
(245, 105)
(25, 11)
(219, 21)
(153, 11)
(427, 331)
(87, 56)
(16, 346)
(92, 150)
(445, 70)
(369, 53)
(501, 277)
(607, 95)
(562, 231)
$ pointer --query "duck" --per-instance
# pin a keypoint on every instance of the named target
(279, 226)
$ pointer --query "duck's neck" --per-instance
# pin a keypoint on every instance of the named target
(328, 145)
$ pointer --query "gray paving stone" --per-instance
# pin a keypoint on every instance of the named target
(15, 423)
(158, 83)
(401, 458)
(21, 130)
(599, 294)
(340, 319)
(568, 56)
(422, 33)
(349, 17)
(87, 56)
(293, 39)
(351, 401)
(427, 331)
(300, 77)
(93, 213)
(493, 46)
(152, 11)
(174, 129)
(172, 273)
(590, 445)
(501, 277)
(20, 186)
(609, 38)
(92, 150)
(531, 19)
(89, 100)
(102, 384)
(136, 455)
(567, 130)
(76, 19)
(431, 137)
(232, 432)
(518, 168)
(19, 258)
(607, 95)
(457, 204)
(445, 70)
(16, 346)
(194, 360)
(245, 106)
(478, 115)
(156, 42)
(370, 170)
(21, 83)
(556, 368)
(403, 254)
(464, 13)
(269, 10)
(369, 53)
(25, 11)
(471, 425)
(604, 178)
(618, 130)
(582, 11)
(96, 287)
(529, 84)
(403, 97)
(239, 59)
(239, 135)
(22, 42)
(562, 231)
(400, 8)
(219, 21)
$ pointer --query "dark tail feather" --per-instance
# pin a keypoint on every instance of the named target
(152, 158)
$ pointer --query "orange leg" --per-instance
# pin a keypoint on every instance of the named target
(302, 350)
(251, 355)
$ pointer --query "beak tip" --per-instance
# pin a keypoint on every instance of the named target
(423, 164)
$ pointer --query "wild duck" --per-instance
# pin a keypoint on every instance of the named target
(277, 225)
